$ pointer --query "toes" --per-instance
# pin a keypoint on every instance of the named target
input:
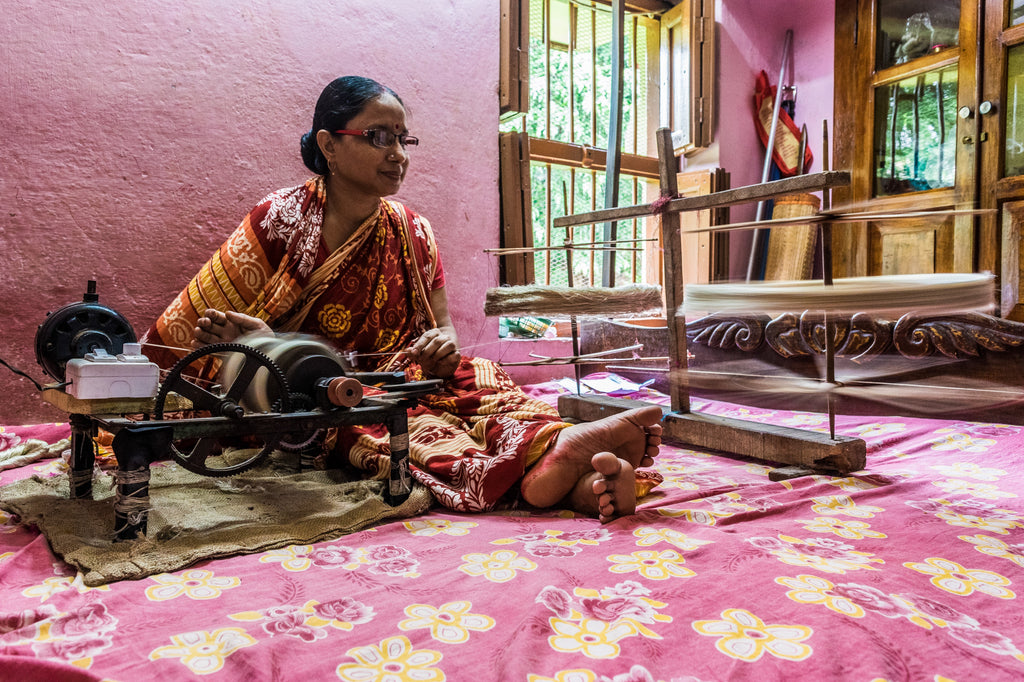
(607, 464)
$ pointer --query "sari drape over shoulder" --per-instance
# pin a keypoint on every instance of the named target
(471, 441)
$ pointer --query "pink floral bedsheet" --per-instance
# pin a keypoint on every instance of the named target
(910, 570)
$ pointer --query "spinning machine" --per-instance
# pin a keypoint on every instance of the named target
(800, 450)
(270, 393)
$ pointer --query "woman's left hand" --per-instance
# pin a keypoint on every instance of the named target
(436, 352)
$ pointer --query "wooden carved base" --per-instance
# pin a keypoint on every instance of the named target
(965, 366)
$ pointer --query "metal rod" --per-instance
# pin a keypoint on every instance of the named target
(574, 330)
(766, 169)
(611, 176)
(826, 274)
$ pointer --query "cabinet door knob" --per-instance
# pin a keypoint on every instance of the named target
(965, 112)
(986, 107)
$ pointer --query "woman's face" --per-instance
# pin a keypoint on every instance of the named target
(358, 165)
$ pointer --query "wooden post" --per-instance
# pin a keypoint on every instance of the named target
(672, 258)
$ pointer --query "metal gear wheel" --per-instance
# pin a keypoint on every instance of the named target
(195, 454)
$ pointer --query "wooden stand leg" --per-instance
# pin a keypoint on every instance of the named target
(400, 483)
(135, 449)
(83, 457)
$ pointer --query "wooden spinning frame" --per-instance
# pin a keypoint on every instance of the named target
(800, 449)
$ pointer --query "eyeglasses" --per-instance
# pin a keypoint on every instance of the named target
(379, 137)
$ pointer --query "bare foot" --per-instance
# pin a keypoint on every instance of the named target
(609, 491)
(632, 436)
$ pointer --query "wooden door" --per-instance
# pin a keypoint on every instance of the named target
(1000, 119)
(904, 71)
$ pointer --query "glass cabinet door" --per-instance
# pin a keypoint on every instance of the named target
(1013, 133)
(915, 133)
(915, 106)
(908, 29)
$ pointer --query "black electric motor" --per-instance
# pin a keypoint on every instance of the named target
(79, 328)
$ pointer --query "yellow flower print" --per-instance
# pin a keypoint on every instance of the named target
(851, 530)
(822, 554)
(651, 564)
(380, 295)
(804, 419)
(953, 578)
(7, 523)
(969, 470)
(985, 491)
(195, 584)
(394, 660)
(879, 429)
(431, 527)
(701, 516)
(590, 637)
(843, 504)
(652, 536)
(960, 514)
(308, 620)
(992, 525)
(334, 319)
(810, 589)
(850, 483)
(52, 468)
(962, 442)
(450, 623)
(292, 558)
(997, 548)
(386, 339)
(575, 675)
(204, 652)
(52, 586)
(743, 635)
(499, 566)
(536, 542)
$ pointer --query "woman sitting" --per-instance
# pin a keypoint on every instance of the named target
(333, 258)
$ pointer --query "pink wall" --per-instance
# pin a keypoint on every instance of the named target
(134, 136)
(751, 34)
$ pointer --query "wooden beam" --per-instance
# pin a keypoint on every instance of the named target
(766, 442)
(638, 6)
(672, 259)
(741, 195)
(591, 158)
(111, 406)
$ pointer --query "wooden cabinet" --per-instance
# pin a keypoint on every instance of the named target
(929, 114)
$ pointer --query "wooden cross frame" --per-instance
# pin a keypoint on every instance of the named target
(790, 446)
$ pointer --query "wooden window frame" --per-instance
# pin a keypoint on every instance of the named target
(688, 38)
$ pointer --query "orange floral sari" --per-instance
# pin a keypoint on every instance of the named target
(471, 442)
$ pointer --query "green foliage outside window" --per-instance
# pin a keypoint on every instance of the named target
(570, 83)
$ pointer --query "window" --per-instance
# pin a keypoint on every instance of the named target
(569, 70)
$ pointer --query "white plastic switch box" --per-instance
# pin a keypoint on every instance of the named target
(128, 374)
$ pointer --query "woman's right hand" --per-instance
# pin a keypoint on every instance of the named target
(223, 326)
